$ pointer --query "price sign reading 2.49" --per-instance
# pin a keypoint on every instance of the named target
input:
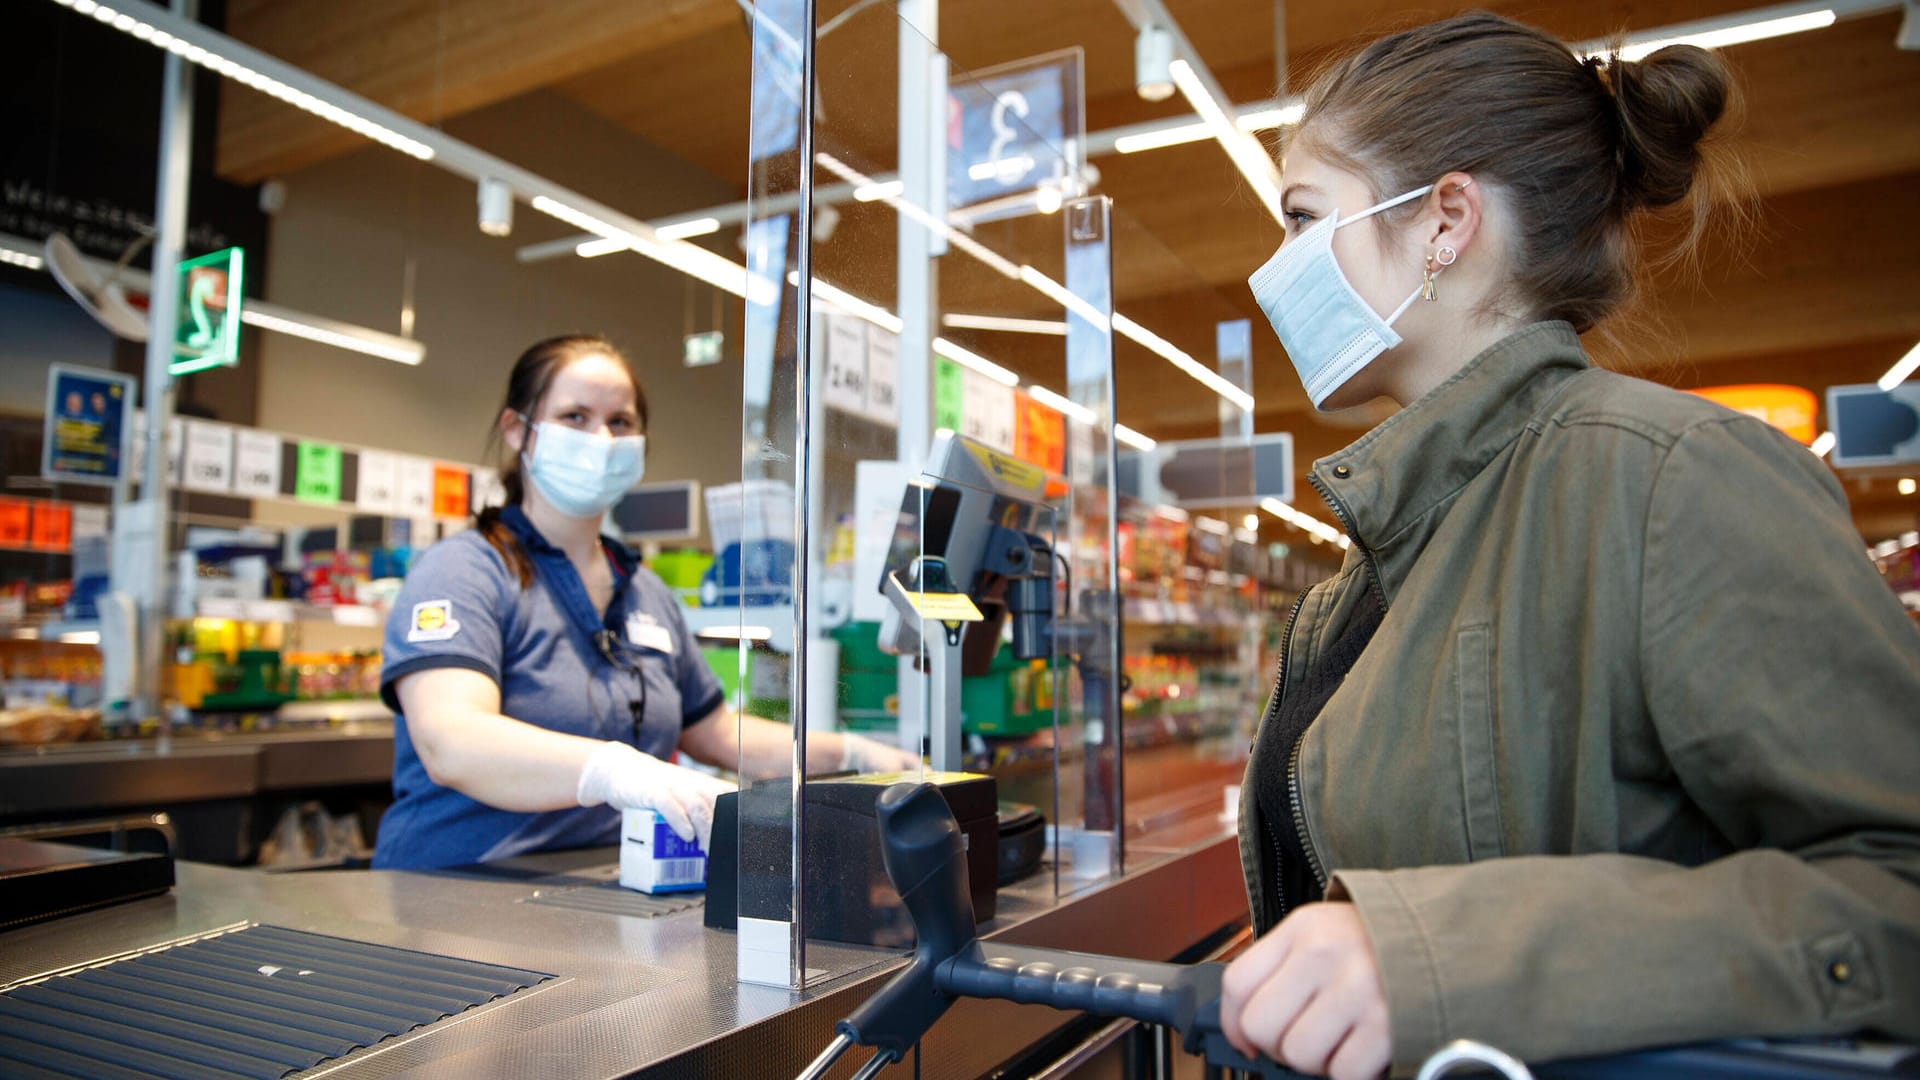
(206, 329)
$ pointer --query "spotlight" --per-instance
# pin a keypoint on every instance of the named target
(1152, 53)
(496, 207)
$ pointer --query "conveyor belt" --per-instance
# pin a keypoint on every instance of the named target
(611, 898)
(257, 1003)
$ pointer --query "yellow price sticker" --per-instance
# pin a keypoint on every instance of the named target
(944, 607)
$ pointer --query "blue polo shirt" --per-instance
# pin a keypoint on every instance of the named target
(559, 664)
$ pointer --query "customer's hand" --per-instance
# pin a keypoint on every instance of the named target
(1308, 996)
(625, 779)
(861, 754)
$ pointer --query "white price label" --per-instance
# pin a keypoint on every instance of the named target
(883, 376)
(484, 489)
(256, 465)
(987, 411)
(846, 364)
(176, 441)
(207, 464)
(376, 489)
(415, 487)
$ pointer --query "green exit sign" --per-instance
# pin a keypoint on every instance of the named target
(206, 329)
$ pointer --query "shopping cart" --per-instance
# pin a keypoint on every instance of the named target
(923, 850)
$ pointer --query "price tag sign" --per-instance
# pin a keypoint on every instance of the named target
(949, 394)
(450, 498)
(208, 462)
(176, 441)
(52, 527)
(883, 376)
(256, 465)
(846, 364)
(378, 490)
(416, 487)
(16, 522)
(987, 416)
(89, 521)
(487, 489)
(316, 476)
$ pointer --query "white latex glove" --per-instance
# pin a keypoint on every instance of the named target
(624, 778)
(861, 754)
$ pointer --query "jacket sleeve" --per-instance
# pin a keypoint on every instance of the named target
(1783, 681)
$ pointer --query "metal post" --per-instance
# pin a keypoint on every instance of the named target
(921, 100)
(804, 480)
(170, 229)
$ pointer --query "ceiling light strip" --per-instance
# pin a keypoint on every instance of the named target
(1735, 28)
(339, 335)
(1306, 522)
(1902, 369)
(251, 67)
(1246, 153)
(1179, 358)
(968, 359)
(1132, 438)
(1004, 324)
(1065, 406)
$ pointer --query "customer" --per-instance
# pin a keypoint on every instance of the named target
(1606, 735)
(543, 677)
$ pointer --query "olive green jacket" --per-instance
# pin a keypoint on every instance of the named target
(1634, 757)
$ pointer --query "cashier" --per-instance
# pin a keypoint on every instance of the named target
(543, 678)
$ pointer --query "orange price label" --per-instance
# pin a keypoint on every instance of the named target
(1041, 435)
(449, 491)
(52, 526)
(16, 522)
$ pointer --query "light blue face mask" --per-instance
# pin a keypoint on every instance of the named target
(582, 474)
(1329, 331)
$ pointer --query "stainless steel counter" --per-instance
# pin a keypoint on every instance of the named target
(152, 772)
(652, 996)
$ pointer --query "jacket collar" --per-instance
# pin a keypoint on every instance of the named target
(1388, 485)
(625, 559)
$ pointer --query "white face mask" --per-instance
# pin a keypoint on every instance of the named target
(582, 474)
(1329, 330)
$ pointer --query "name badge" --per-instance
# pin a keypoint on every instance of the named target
(645, 631)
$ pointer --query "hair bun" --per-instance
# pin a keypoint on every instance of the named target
(1667, 104)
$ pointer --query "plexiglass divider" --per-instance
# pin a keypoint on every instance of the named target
(935, 525)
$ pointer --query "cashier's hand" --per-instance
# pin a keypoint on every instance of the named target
(1308, 996)
(626, 779)
(861, 754)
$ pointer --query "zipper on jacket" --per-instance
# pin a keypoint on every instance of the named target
(1346, 523)
(1299, 813)
(1273, 709)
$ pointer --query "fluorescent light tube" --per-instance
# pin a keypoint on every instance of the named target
(1065, 297)
(1823, 445)
(851, 304)
(1731, 35)
(890, 189)
(1901, 369)
(1245, 152)
(21, 258)
(1179, 134)
(1063, 405)
(241, 73)
(1199, 372)
(681, 230)
(339, 335)
(975, 361)
(1132, 438)
(593, 249)
(996, 322)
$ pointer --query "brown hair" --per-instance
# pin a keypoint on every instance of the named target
(1579, 147)
(527, 386)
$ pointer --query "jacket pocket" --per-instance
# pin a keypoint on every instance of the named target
(1474, 717)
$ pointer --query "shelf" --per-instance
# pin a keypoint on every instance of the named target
(290, 611)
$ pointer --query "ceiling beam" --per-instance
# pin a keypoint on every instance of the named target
(428, 60)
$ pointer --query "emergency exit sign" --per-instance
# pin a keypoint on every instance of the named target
(206, 329)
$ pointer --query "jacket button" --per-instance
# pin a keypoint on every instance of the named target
(1840, 971)
(1342, 471)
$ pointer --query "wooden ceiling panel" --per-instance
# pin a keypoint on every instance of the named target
(428, 60)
